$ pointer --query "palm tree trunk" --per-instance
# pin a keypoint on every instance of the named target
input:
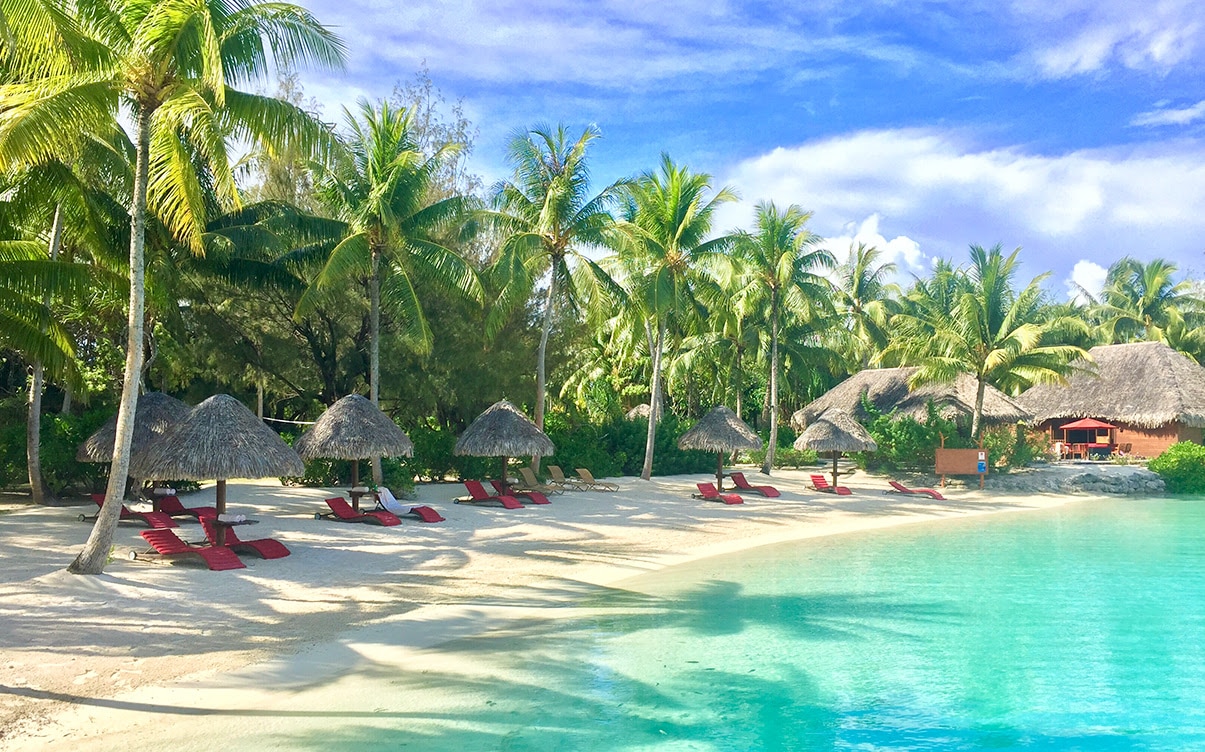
(654, 400)
(33, 426)
(978, 418)
(772, 445)
(95, 555)
(66, 408)
(541, 354)
(374, 345)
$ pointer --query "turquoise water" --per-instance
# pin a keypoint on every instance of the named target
(1079, 628)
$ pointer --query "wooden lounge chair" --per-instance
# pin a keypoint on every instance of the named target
(708, 492)
(478, 495)
(171, 506)
(532, 483)
(152, 519)
(820, 483)
(567, 483)
(595, 485)
(505, 490)
(342, 511)
(738, 480)
(167, 544)
(265, 548)
(898, 487)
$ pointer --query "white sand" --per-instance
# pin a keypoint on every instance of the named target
(142, 655)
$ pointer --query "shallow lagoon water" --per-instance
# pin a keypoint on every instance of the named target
(1075, 628)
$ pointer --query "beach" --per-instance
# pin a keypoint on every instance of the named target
(89, 662)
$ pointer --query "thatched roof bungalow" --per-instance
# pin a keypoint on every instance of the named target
(1153, 394)
(887, 389)
(155, 415)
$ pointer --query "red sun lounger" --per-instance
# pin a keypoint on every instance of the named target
(478, 495)
(708, 492)
(168, 544)
(342, 511)
(503, 490)
(265, 548)
(423, 513)
(738, 480)
(820, 483)
(171, 506)
(152, 519)
(901, 488)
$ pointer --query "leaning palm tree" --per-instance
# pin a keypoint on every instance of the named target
(781, 257)
(547, 218)
(380, 188)
(168, 65)
(664, 255)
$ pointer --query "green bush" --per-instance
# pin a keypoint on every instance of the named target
(61, 437)
(617, 446)
(906, 443)
(1182, 468)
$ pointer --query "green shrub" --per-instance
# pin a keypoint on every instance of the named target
(1182, 468)
(61, 437)
(617, 446)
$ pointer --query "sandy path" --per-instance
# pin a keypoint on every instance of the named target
(76, 650)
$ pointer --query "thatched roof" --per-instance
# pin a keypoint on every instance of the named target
(720, 430)
(640, 411)
(503, 431)
(887, 389)
(836, 431)
(156, 413)
(354, 429)
(219, 439)
(1144, 384)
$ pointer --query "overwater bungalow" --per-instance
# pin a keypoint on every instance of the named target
(1138, 399)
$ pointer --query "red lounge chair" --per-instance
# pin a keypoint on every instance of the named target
(152, 519)
(166, 544)
(478, 495)
(424, 513)
(738, 480)
(171, 506)
(820, 483)
(901, 488)
(342, 511)
(708, 492)
(505, 490)
(265, 548)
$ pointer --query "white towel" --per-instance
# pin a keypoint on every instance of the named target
(232, 518)
(390, 502)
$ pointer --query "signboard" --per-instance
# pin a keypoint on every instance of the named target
(962, 462)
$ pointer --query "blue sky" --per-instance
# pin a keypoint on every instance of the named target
(1073, 129)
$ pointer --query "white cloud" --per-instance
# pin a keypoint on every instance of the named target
(901, 250)
(1171, 115)
(1086, 277)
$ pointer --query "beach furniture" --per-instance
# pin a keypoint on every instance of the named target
(152, 519)
(478, 495)
(738, 480)
(342, 512)
(167, 544)
(265, 548)
(898, 487)
(595, 485)
(820, 483)
(387, 502)
(504, 489)
(708, 492)
(532, 483)
(565, 482)
(171, 506)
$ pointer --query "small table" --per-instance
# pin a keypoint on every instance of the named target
(356, 493)
(221, 526)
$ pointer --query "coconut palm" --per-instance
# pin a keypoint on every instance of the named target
(867, 300)
(170, 64)
(664, 256)
(547, 218)
(1140, 300)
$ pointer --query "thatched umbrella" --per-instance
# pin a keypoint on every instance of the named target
(220, 438)
(836, 431)
(503, 431)
(720, 431)
(354, 429)
(156, 413)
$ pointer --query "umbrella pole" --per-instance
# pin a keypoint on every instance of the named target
(835, 456)
(502, 477)
(221, 506)
(719, 471)
(355, 482)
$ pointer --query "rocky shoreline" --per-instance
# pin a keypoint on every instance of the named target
(1080, 477)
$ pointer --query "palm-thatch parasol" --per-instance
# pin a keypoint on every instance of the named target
(354, 429)
(836, 431)
(220, 438)
(503, 431)
(720, 431)
(156, 413)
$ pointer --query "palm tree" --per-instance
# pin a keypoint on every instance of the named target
(664, 254)
(781, 256)
(1140, 301)
(169, 63)
(998, 335)
(547, 218)
(867, 300)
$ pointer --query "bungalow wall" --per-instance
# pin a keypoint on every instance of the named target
(1144, 442)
